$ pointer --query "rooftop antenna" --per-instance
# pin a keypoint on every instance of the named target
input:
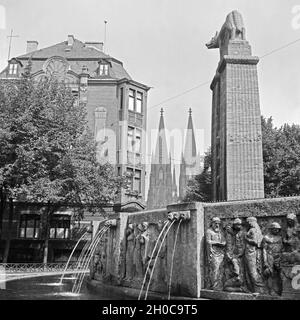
(10, 41)
(104, 45)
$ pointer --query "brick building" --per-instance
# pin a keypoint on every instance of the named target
(28, 229)
(116, 104)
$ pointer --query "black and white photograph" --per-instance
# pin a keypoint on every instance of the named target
(149, 150)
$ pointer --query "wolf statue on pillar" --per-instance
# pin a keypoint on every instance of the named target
(232, 29)
(237, 162)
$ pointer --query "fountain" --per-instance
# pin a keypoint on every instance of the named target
(152, 255)
(87, 256)
(71, 255)
(138, 255)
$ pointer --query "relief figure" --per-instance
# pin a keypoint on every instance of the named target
(215, 246)
(253, 239)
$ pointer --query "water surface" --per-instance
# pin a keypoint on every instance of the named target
(48, 288)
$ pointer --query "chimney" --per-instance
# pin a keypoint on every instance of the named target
(70, 40)
(95, 45)
(31, 46)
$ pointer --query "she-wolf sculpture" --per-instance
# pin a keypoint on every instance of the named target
(232, 29)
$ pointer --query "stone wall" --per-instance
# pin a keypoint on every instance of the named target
(136, 237)
(245, 263)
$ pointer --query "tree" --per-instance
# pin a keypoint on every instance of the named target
(47, 152)
(200, 188)
(281, 154)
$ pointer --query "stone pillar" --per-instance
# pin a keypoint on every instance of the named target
(237, 162)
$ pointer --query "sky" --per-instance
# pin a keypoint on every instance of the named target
(162, 44)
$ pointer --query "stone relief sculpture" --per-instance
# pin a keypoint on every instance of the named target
(253, 239)
(94, 266)
(141, 239)
(215, 246)
(272, 246)
(161, 271)
(141, 248)
(235, 249)
(130, 245)
(247, 260)
(290, 239)
(98, 264)
(232, 29)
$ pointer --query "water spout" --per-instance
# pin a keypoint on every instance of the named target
(70, 257)
(158, 252)
(151, 257)
(88, 256)
(88, 260)
(89, 253)
(172, 261)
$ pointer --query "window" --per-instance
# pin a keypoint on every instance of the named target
(137, 186)
(103, 70)
(135, 102)
(134, 138)
(29, 226)
(13, 68)
(75, 93)
(60, 227)
(131, 100)
(138, 137)
(134, 180)
(121, 98)
(130, 141)
(130, 179)
(139, 102)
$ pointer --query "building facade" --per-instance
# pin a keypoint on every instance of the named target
(116, 104)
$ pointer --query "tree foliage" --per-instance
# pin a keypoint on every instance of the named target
(47, 152)
(281, 154)
(200, 188)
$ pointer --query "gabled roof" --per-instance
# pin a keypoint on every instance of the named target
(77, 55)
(78, 50)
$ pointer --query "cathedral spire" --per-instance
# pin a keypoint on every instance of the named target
(190, 165)
(190, 149)
(160, 188)
(161, 150)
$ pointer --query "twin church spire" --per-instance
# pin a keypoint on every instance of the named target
(163, 186)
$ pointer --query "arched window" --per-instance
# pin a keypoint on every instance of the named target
(56, 67)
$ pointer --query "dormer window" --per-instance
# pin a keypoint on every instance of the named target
(13, 68)
(103, 69)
